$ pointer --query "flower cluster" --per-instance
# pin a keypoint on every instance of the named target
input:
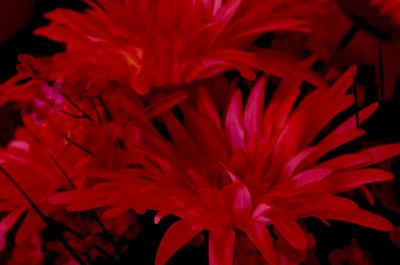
(172, 108)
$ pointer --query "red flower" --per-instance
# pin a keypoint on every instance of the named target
(168, 43)
(44, 178)
(257, 169)
(73, 85)
(41, 168)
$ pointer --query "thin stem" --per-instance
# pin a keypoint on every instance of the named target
(381, 71)
(355, 93)
(79, 146)
(343, 44)
(73, 115)
(63, 172)
(93, 213)
(24, 194)
(109, 235)
(89, 259)
(73, 253)
(103, 252)
(73, 103)
(105, 108)
(99, 119)
(49, 222)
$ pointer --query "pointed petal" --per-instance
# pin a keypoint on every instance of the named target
(237, 200)
(328, 144)
(31, 223)
(364, 218)
(337, 208)
(254, 108)
(205, 104)
(178, 133)
(364, 158)
(261, 238)
(364, 114)
(297, 160)
(291, 231)
(350, 180)
(9, 221)
(310, 176)
(345, 81)
(175, 238)
(234, 121)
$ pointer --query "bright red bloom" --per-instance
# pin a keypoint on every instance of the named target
(169, 43)
(257, 169)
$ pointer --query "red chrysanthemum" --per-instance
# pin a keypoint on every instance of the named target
(169, 43)
(257, 169)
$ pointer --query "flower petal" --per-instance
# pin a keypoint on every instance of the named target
(364, 158)
(234, 121)
(291, 231)
(221, 246)
(175, 238)
(260, 236)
